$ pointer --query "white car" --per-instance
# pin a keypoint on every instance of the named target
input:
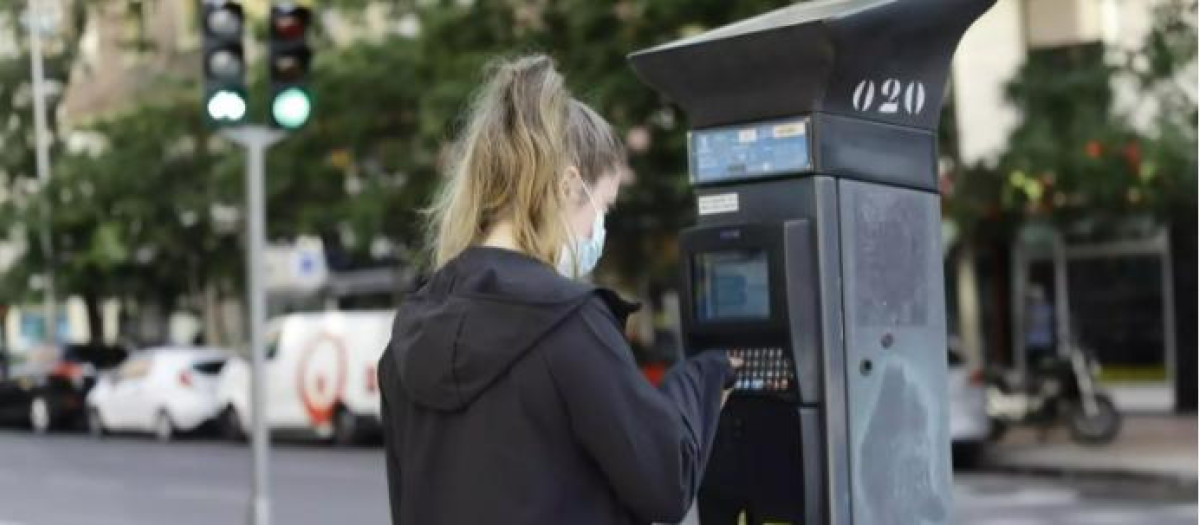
(163, 391)
(320, 376)
(970, 426)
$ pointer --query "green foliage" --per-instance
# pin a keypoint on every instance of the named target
(136, 218)
(1074, 158)
(1071, 155)
(386, 109)
(1161, 69)
(590, 42)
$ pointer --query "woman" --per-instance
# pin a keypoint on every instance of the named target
(509, 394)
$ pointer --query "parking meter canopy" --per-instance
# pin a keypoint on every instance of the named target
(878, 60)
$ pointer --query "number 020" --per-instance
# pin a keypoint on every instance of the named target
(892, 99)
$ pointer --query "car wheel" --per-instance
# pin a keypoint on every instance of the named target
(164, 429)
(346, 429)
(968, 455)
(95, 425)
(40, 419)
(231, 425)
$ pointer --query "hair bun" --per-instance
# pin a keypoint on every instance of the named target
(526, 71)
(531, 63)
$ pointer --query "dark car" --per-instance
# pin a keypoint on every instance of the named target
(44, 388)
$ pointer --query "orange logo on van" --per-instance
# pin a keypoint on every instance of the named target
(322, 362)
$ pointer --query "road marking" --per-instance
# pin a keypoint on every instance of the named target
(1012, 521)
(1124, 517)
(82, 482)
(207, 494)
(1045, 496)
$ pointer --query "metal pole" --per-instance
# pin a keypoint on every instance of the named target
(1019, 275)
(1170, 340)
(43, 164)
(255, 239)
(256, 140)
(1062, 296)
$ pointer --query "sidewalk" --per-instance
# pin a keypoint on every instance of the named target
(1161, 447)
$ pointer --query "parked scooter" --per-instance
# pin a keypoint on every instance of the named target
(1059, 389)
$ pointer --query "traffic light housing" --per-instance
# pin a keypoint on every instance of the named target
(224, 62)
(289, 61)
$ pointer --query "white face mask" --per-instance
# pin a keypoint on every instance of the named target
(580, 256)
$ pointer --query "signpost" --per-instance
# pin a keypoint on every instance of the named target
(36, 26)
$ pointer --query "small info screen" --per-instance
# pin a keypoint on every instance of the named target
(732, 286)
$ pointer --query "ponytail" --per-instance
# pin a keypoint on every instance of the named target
(523, 131)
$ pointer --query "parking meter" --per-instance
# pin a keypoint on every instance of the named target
(816, 255)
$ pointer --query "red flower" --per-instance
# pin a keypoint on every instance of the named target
(1133, 156)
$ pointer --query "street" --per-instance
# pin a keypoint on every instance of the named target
(71, 479)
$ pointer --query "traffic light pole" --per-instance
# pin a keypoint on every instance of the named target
(256, 140)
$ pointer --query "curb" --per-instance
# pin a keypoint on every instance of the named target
(1181, 486)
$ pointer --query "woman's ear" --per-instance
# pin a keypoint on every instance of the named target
(569, 183)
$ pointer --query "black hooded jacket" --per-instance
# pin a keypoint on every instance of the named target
(511, 397)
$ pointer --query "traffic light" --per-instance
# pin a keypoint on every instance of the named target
(224, 62)
(290, 56)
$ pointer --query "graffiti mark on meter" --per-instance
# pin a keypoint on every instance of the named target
(889, 97)
(321, 377)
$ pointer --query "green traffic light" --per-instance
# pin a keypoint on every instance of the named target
(226, 106)
(291, 108)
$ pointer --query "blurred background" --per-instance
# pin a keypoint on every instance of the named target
(1068, 175)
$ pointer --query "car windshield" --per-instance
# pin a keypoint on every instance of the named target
(100, 356)
(209, 366)
(955, 359)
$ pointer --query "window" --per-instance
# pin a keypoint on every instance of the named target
(210, 367)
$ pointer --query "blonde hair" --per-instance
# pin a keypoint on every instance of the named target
(523, 131)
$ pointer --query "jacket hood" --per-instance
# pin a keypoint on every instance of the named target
(476, 316)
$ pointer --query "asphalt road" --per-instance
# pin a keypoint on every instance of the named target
(73, 480)
(76, 480)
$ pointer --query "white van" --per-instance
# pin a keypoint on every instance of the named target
(320, 373)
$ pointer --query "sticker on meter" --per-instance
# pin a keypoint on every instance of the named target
(790, 129)
(720, 203)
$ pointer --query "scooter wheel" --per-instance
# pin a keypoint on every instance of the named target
(1097, 429)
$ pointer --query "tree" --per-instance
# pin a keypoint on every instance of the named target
(1163, 71)
(134, 219)
(369, 161)
(17, 137)
(1077, 160)
(1076, 157)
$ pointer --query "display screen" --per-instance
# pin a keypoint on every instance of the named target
(732, 286)
(749, 151)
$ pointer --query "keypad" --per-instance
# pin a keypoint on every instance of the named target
(767, 369)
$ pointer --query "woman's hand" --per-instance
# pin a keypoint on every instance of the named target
(736, 363)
